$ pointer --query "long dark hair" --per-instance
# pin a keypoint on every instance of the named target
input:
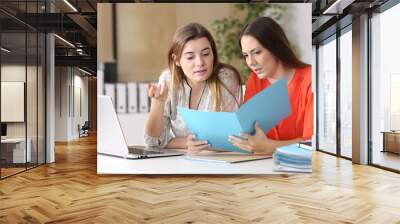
(183, 35)
(272, 37)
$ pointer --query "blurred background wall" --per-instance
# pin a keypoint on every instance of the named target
(144, 33)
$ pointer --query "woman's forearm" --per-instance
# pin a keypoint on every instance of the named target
(177, 143)
(155, 123)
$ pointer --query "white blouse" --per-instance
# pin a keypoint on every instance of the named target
(174, 126)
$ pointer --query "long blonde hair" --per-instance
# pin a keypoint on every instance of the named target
(183, 35)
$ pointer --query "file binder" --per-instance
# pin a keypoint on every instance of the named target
(121, 97)
(109, 90)
(132, 97)
(144, 101)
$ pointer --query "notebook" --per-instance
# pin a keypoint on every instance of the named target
(292, 158)
(225, 157)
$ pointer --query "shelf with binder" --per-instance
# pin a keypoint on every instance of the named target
(128, 97)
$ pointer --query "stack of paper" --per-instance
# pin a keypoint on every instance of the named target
(292, 158)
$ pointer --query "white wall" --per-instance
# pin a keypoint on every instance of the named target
(12, 101)
(82, 82)
(70, 83)
(314, 87)
(79, 117)
(298, 28)
(62, 81)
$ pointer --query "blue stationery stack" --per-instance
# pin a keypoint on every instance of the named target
(293, 158)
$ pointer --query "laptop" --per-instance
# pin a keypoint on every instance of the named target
(111, 140)
(3, 131)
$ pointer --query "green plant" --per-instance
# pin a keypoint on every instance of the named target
(227, 31)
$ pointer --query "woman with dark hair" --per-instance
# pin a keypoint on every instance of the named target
(194, 79)
(268, 54)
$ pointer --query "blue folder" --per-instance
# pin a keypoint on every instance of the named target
(268, 108)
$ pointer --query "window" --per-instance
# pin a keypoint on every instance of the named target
(346, 94)
(385, 88)
(327, 96)
(22, 67)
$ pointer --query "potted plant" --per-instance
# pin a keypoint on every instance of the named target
(227, 31)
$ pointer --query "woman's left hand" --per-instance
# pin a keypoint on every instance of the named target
(196, 146)
(258, 143)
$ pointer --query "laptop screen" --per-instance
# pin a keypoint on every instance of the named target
(3, 129)
(110, 139)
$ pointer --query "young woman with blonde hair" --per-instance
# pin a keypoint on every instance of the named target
(194, 79)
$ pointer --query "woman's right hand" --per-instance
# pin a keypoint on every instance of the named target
(158, 92)
(194, 146)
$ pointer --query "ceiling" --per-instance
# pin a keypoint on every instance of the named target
(76, 22)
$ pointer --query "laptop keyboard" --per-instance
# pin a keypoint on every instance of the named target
(139, 151)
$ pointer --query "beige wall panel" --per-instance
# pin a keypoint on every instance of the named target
(31, 106)
(14, 73)
(203, 13)
(104, 33)
(297, 25)
(41, 113)
(144, 34)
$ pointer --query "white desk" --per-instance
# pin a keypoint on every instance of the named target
(179, 165)
(18, 151)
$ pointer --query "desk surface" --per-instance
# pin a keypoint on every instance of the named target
(390, 132)
(13, 140)
(179, 165)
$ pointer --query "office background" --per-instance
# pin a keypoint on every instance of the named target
(359, 43)
(44, 97)
(339, 190)
(142, 42)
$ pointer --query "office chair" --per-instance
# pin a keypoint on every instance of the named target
(84, 130)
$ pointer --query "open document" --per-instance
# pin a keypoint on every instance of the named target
(268, 108)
